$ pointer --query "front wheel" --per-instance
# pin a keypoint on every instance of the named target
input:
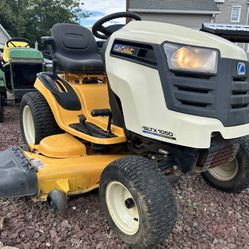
(232, 177)
(137, 202)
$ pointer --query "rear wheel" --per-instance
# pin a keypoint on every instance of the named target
(3, 94)
(232, 177)
(36, 118)
(1, 109)
(137, 202)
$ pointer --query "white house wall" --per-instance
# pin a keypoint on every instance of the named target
(226, 10)
(4, 36)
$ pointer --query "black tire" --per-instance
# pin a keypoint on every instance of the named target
(57, 202)
(44, 122)
(1, 109)
(3, 94)
(152, 195)
(240, 181)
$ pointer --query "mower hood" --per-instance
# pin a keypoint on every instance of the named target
(158, 33)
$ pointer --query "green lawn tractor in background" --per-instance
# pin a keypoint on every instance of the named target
(3, 95)
(19, 65)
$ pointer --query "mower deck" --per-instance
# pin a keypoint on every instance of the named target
(51, 165)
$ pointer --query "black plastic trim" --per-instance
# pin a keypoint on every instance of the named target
(17, 177)
(223, 96)
(68, 100)
(91, 130)
(141, 50)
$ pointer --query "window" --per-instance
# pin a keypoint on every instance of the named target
(219, 1)
(236, 13)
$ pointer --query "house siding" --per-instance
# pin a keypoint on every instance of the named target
(187, 20)
(198, 5)
(226, 10)
(192, 20)
(225, 16)
(4, 36)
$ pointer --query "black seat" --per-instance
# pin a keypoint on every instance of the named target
(74, 49)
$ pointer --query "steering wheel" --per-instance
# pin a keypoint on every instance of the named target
(102, 32)
(18, 39)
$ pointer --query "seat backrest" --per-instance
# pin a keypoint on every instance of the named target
(73, 40)
(75, 48)
(12, 45)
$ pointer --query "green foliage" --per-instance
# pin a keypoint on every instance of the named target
(33, 19)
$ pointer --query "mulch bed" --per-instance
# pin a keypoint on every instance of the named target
(207, 218)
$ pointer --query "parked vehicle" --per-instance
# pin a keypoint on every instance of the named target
(19, 65)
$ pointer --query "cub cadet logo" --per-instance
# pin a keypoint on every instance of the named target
(123, 49)
(158, 132)
(241, 68)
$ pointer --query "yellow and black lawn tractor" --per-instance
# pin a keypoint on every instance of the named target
(159, 100)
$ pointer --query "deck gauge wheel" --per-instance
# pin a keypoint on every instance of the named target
(57, 202)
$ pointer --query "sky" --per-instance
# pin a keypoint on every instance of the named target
(100, 8)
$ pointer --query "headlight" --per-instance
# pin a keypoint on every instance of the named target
(191, 59)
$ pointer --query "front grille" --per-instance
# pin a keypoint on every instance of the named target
(240, 93)
(193, 92)
(224, 96)
(238, 112)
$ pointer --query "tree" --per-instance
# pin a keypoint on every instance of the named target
(34, 18)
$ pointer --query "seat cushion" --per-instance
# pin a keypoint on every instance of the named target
(88, 65)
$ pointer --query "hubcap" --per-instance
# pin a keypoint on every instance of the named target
(28, 125)
(122, 208)
(226, 172)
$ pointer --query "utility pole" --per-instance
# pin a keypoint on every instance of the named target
(127, 9)
(127, 5)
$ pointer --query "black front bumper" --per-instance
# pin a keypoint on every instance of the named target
(17, 177)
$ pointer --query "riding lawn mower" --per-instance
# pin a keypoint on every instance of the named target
(18, 68)
(159, 100)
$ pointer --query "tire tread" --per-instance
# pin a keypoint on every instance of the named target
(45, 124)
(157, 194)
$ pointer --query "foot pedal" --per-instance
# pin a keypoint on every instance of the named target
(92, 130)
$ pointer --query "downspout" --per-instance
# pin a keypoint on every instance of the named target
(247, 16)
(213, 18)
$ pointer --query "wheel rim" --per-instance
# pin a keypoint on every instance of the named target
(28, 125)
(122, 208)
(226, 172)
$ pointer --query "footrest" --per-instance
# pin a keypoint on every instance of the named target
(92, 130)
(101, 112)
